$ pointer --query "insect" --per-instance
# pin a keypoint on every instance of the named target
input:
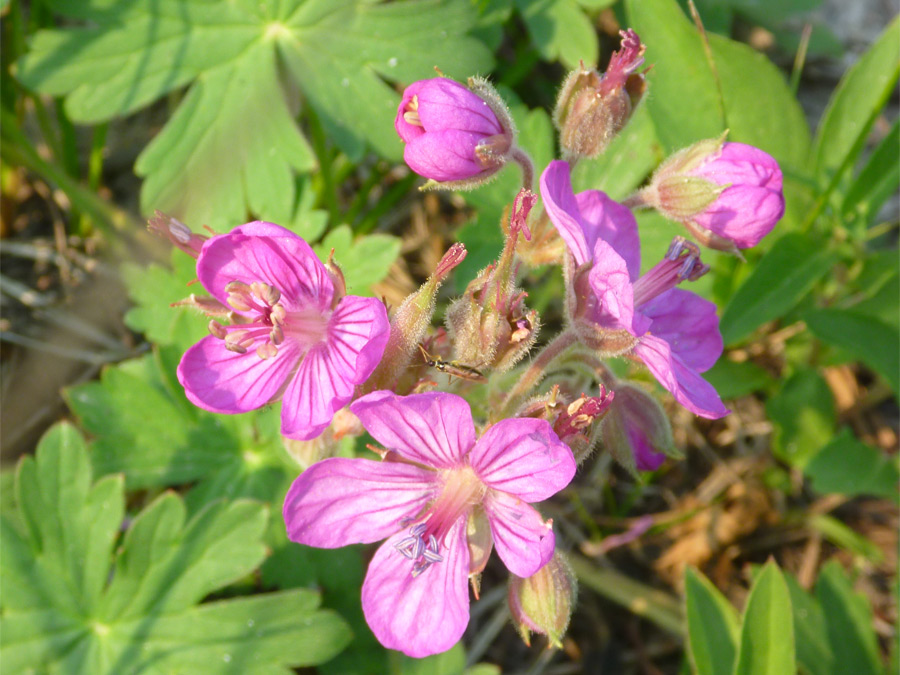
(452, 368)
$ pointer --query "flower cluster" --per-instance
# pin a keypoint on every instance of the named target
(455, 481)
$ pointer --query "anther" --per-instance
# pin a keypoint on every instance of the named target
(276, 335)
(266, 351)
(217, 330)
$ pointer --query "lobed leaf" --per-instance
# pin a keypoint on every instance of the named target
(804, 417)
(850, 467)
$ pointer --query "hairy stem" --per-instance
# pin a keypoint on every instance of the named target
(523, 159)
(536, 371)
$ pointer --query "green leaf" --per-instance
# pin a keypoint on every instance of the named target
(775, 123)
(781, 279)
(713, 626)
(154, 289)
(873, 342)
(850, 467)
(145, 428)
(846, 538)
(365, 261)
(560, 30)
(62, 611)
(451, 662)
(813, 650)
(857, 100)
(684, 100)
(804, 417)
(733, 380)
(877, 181)
(767, 633)
(849, 620)
(233, 144)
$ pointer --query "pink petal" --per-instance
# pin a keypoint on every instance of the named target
(522, 539)
(689, 324)
(611, 282)
(562, 209)
(338, 501)
(357, 333)
(607, 219)
(688, 388)
(435, 429)
(421, 615)
(405, 130)
(222, 381)
(524, 457)
(444, 155)
(446, 104)
(262, 251)
(318, 390)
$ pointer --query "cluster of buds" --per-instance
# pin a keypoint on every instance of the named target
(490, 327)
(449, 492)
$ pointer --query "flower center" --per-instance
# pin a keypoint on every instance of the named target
(681, 262)
(461, 490)
(411, 114)
(265, 322)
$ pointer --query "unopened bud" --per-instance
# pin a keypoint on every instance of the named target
(178, 234)
(409, 323)
(728, 195)
(457, 137)
(592, 108)
(543, 602)
(636, 430)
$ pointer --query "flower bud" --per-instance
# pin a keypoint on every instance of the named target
(178, 234)
(455, 136)
(728, 195)
(592, 108)
(490, 325)
(636, 430)
(576, 426)
(409, 323)
(543, 602)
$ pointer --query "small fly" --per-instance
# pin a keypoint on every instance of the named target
(452, 368)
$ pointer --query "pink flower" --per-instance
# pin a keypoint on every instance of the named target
(674, 332)
(728, 195)
(293, 338)
(437, 480)
(451, 133)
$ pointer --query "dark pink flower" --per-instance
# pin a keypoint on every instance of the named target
(674, 332)
(727, 194)
(292, 339)
(438, 478)
(451, 133)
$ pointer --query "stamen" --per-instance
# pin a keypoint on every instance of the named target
(680, 263)
(217, 329)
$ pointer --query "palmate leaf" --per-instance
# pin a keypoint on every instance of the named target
(70, 605)
(232, 145)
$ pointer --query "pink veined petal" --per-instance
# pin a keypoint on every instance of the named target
(434, 428)
(610, 281)
(318, 389)
(524, 457)
(741, 164)
(562, 209)
(421, 615)
(522, 539)
(265, 252)
(607, 219)
(445, 104)
(444, 155)
(685, 384)
(223, 381)
(744, 214)
(689, 324)
(357, 334)
(339, 501)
